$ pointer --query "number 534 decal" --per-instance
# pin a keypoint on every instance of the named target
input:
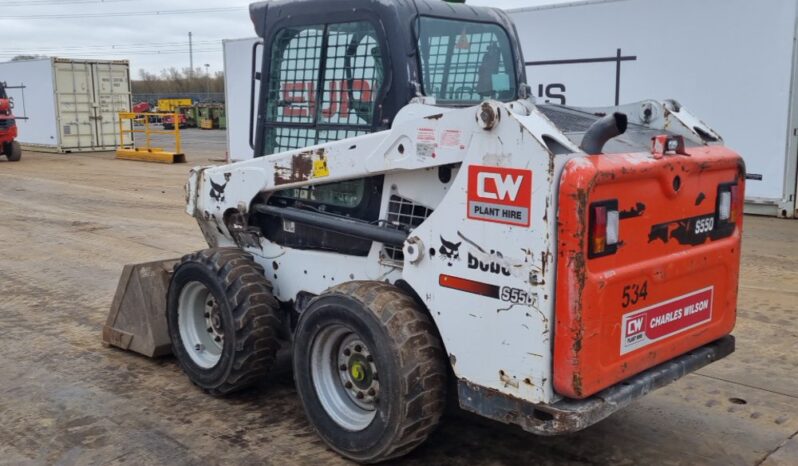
(634, 293)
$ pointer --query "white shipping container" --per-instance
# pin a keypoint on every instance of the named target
(731, 62)
(70, 105)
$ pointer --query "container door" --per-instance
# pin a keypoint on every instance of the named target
(112, 95)
(74, 99)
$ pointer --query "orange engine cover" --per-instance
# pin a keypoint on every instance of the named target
(671, 284)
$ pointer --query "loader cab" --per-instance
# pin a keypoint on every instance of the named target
(335, 70)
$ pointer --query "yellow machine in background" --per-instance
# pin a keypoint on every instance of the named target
(211, 115)
(170, 105)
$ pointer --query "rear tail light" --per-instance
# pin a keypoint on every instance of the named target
(613, 219)
(604, 228)
(724, 205)
(727, 203)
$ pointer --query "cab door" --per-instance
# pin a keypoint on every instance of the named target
(323, 83)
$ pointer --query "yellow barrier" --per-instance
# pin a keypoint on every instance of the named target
(148, 153)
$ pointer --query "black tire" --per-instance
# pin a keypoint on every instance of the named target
(245, 310)
(406, 354)
(14, 151)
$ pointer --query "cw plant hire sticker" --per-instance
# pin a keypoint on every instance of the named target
(501, 195)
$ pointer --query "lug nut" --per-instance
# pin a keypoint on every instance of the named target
(370, 358)
(207, 315)
(210, 330)
(359, 395)
(372, 392)
(343, 367)
(358, 348)
(347, 352)
(348, 385)
(218, 339)
(210, 303)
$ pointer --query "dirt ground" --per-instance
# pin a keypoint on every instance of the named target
(69, 223)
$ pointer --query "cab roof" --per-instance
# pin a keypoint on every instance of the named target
(395, 17)
(400, 10)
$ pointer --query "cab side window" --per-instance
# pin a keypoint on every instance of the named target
(464, 63)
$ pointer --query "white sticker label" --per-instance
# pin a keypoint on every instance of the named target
(654, 323)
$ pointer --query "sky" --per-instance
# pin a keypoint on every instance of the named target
(151, 34)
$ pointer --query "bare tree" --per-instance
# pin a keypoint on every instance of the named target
(177, 81)
(27, 57)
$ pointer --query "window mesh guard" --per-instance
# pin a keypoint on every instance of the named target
(403, 212)
(312, 104)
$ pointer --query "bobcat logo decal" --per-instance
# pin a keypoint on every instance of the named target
(449, 251)
(217, 190)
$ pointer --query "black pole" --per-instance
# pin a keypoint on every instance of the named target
(618, 78)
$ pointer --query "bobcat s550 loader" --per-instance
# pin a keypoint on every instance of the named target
(415, 222)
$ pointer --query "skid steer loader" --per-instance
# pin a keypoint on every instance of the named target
(413, 221)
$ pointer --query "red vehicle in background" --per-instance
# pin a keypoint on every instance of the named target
(141, 107)
(8, 128)
(168, 121)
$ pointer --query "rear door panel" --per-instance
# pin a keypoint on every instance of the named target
(671, 285)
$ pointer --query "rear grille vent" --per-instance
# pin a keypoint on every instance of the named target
(408, 214)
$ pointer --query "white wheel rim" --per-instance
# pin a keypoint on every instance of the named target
(200, 325)
(345, 380)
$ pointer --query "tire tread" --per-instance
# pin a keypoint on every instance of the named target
(255, 313)
(422, 357)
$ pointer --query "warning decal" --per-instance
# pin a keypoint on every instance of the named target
(426, 135)
(643, 327)
(451, 138)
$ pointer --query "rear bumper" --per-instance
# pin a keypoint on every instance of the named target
(570, 415)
